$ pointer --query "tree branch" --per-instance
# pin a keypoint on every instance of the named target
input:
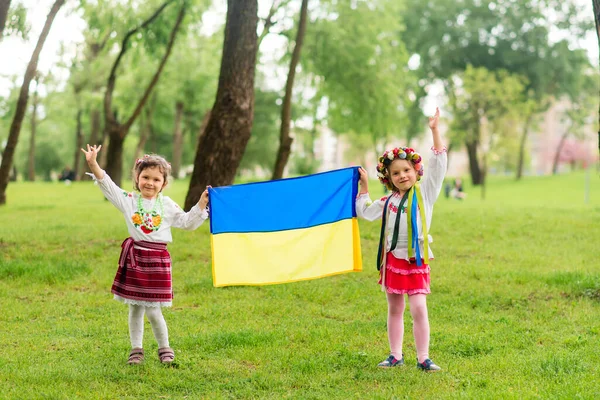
(269, 22)
(21, 108)
(154, 80)
(596, 6)
(4, 7)
(110, 86)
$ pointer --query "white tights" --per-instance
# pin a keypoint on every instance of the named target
(395, 324)
(157, 322)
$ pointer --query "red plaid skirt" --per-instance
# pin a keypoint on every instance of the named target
(144, 274)
(405, 277)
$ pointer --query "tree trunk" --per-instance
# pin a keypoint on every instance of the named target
(15, 126)
(415, 113)
(78, 146)
(145, 121)
(522, 144)
(152, 139)
(177, 141)
(474, 168)
(483, 176)
(116, 130)
(114, 153)
(145, 128)
(31, 155)
(596, 5)
(557, 154)
(285, 141)
(139, 149)
(203, 126)
(94, 137)
(222, 145)
(103, 154)
(4, 6)
(95, 127)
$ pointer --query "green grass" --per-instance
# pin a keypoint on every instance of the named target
(513, 311)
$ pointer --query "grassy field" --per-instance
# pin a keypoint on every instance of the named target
(514, 309)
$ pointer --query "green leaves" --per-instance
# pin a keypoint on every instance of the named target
(488, 107)
(16, 22)
(514, 35)
(353, 48)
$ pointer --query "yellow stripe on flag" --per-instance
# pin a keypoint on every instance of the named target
(262, 258)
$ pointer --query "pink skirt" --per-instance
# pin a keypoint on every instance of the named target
(144, 274)
(405, 277)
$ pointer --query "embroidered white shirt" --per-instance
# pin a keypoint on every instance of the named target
(172, 215)
(431, 185)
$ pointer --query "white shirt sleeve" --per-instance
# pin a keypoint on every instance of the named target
(117, 196)
(368, 209)
(433, 180)
(185, 220)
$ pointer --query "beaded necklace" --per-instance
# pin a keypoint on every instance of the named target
(148, 221)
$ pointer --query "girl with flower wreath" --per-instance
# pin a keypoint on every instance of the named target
(404, 253)
(143, 279)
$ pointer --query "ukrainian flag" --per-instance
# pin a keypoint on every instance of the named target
(286, 230)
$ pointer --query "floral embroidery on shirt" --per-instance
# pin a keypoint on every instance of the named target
(148, 222)
(394, 209)
(136, 219)
(438, 152)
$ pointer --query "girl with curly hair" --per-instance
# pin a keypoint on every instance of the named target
(143, 278)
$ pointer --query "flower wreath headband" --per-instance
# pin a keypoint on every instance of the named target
(398, 153)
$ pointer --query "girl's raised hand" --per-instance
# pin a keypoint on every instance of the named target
(92, 152)
(433, 121)
(364, 180)
(203, 202)
(90, 157)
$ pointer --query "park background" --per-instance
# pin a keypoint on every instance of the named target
(515, 284)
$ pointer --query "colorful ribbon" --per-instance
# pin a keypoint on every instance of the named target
(415, 205)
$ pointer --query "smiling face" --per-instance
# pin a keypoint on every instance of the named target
(150, 182)
(402, 174)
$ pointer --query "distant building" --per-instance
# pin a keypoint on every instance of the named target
(544, 143)
(329, 150)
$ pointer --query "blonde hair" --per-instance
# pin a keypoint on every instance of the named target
(150, 161)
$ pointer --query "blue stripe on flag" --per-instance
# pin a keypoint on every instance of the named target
(284, 204)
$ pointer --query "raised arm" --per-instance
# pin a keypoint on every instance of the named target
(117, 196)
(435, 133)
(90, 156)
(437, 164)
